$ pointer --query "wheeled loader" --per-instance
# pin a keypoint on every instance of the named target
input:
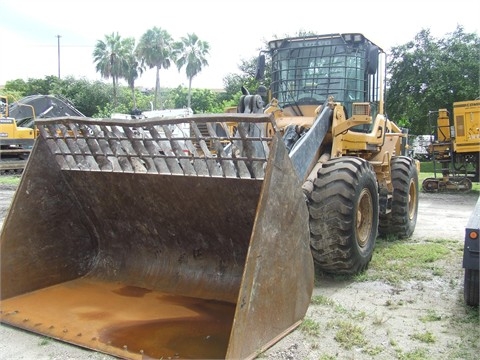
(127, 239)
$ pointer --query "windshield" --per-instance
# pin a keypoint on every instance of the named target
(308, 70)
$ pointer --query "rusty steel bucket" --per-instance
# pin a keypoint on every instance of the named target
(129, 239)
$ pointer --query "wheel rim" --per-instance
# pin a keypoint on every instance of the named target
(412, 200)
(364, 217)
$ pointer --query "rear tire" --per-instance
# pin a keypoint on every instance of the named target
(471, 287)
(401, 221)
(343, 209)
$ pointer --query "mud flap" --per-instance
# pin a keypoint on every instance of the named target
(163, 260)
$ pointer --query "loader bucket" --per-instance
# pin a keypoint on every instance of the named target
(127, 239)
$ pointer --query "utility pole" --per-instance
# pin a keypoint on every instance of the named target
(58, 46)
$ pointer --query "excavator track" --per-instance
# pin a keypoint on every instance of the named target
(13, 161)
(12, 167)
(462, 184)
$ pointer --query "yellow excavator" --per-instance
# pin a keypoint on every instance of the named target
(17, 126)
(16, 142)
(125, 238)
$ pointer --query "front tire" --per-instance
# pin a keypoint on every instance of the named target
(402, 219)
(343, 209)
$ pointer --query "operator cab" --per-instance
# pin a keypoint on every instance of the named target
(307, 70)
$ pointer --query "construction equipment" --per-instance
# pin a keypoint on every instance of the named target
(355, 170)
(456, 149)
(471, 251)
(32, 107)
(16, 142)
(17, 126)
(119, 241)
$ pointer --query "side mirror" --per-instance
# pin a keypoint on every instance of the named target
(372, 59)
(260, 72)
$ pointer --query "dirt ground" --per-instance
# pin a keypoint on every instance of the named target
(415, 319)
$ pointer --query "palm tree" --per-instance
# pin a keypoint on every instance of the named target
(134, 68)
(191, 52)
(110, 58)
(155, 50)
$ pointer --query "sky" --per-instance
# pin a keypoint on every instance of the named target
(34, 32)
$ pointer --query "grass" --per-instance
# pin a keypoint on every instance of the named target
(348, 334)
(10, 179)
(426, 337)
(322, 300)
(471, 316)
(415, 354)
(310, 327)
(426, 167)
(431, 316)
(399, 261)
(468, 320)
(44, 341)
(429, 167)
(372, 351)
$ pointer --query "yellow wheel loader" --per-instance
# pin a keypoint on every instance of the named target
(327, 101)
(128, 239)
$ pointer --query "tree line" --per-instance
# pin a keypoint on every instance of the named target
(95, 98)
(116, 57)
(428, 73)
(423, 75)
